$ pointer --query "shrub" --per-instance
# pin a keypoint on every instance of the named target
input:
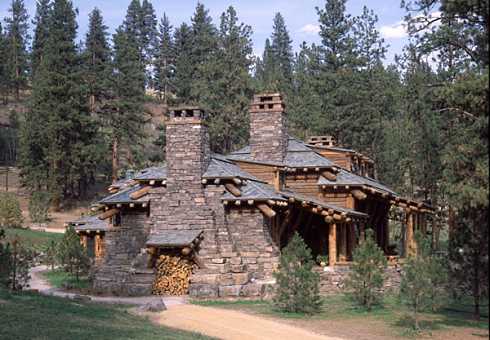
(72, 255)
(422, 279)
(51, 257)
(367, 276)
(15, 262)
(10, 212)
(39, 206)
(297, 285)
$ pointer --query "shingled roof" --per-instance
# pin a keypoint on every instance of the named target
(220, 167)
(254, 190)
(348, 178)
(123, 196)
(173, 238)
(89, 223)
(298, 155)
(152, 173)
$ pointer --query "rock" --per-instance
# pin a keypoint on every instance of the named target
(82, 298)
(153, 306)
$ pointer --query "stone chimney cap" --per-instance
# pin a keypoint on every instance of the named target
(322, 140)
(186, 112)
(267, 102)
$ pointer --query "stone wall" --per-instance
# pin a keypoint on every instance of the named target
(118, 272)
(333, 280)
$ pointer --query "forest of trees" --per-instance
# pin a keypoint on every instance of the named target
(423, 119)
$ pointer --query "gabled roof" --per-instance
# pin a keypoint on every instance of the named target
(345, 177)
(298, 155)
(123, 196)
(254, 190)
(89, 223)
(220, 167)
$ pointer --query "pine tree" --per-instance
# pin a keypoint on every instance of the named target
(297, 284)
(96, 59)
(184, 70)
(282, 52)
(266, 73)
(124, 111)
(225, 89)
(165, 61)
(4, 72)
(17, 38)
(203, 46)
(58, 135)
(41, 27)
(367, 276)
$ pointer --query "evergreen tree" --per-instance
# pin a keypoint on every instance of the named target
(184, 70)
(203, 46)
(96, 59)
(266, 72)
(297, 284)
(4, 71)
(367, 276)
(123, 113)
(282, 52)
(17, 39)
(58, 133)
(148, 29)
(165, 60)
(226, 88)
(41, 28)
(72, 255)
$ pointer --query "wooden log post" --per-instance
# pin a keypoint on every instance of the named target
(351, 244)
(332, 244)
(409, 240)
(343, 242)
(362, 231)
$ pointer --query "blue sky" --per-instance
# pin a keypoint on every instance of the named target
(300, 16)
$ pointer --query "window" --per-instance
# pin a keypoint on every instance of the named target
(116, 220)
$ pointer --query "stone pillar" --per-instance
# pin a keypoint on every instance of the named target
(332, 244)
(268, 132)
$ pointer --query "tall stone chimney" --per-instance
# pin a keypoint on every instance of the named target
(187, 148)
(268, 132)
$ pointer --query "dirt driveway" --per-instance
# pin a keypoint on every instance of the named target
(231, 325)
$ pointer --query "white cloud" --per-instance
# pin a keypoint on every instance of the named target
(310, 29)
(396, 31)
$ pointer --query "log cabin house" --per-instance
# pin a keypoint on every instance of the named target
(231, 214)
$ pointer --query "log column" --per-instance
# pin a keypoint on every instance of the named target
(409, 240)
(362, 231)
(343, 242)
(351, 244)
(332, 244)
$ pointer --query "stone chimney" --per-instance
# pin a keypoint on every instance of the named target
(322, 141)
(187, 148)
(268, 132)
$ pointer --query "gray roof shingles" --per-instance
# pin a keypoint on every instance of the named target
(89, 223)
(123, 196)
(173, 238)
(256, 191)
(347, 178)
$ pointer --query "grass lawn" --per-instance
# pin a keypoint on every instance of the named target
(33, 316)
(58, 277)
(395, 316)
(33, 238)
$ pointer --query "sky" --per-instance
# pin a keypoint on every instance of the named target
(300, 17)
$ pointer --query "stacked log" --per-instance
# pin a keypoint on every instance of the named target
(172, 275)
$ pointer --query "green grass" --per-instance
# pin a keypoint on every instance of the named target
(37, 240)
(57, 278)
(392, 313)
(33, 316)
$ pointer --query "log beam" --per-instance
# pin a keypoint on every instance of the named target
(359, 194)
(140, 193)
(233, 189)
(266, 210)
(109, 213)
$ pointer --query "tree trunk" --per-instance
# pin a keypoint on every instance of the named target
(115, 160)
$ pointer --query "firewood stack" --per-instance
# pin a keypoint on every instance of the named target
(172, 275)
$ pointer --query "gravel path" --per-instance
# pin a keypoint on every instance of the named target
(231, 325)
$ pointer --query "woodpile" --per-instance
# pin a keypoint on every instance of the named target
(172, 275)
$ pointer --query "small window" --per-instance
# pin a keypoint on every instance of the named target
(116, 220)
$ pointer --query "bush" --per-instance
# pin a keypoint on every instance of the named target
(10, 212)
(423, 279)
(15, 262)
(297, 285)
(367, 276)
(39, 206)
(72, 255)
